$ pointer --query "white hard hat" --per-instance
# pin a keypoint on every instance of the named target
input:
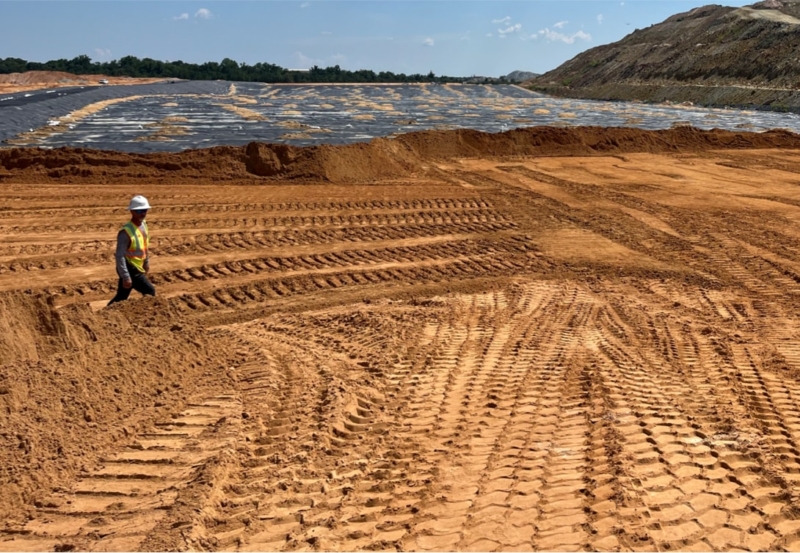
(138, 202)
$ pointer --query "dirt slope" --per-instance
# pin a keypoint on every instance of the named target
(515, 351)
(712, 55)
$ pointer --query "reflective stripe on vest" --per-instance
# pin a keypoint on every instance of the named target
(137, 249)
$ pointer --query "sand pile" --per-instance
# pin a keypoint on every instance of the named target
(382, 157)
(74, 382)
(356, 162)
(38, 77)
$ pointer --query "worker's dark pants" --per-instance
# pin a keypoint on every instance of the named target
(140, 283)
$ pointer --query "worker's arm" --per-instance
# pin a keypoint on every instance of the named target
(123, 241)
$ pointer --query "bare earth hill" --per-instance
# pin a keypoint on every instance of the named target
(712, 55)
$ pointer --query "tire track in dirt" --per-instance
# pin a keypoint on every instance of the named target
(591, 206)
(321, 229)
(455, 402)
(698, 490)
(306, 208)
(401, 273)
(225, 246)
(469, 392)
(576, 402)
(535, 499)
(769, 267)
(361, 265)
(759, 272)
(298, 498)
(101, 230)
(117, 505)
(667, 229)
(261, 219)
(533, 417)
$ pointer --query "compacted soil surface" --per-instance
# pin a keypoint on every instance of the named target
(479, 342)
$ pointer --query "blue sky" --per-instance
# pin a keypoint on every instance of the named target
(448, 37)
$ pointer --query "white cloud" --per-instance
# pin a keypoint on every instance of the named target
(305, 5)
(301, 61)
(506, 20)
(428, 42)
(465, 36)
(325, 33)
(510, 29)
(600, 18)
(181, 17)
(560, 24)
(554, 36)
(489, 34)
(203, 13)
(103, 52)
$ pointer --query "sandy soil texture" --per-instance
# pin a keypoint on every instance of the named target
(494, 345)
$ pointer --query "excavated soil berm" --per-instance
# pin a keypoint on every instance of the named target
(43, 77)
(381, 158)
(74, 382)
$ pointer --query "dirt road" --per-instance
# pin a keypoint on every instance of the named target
(515, 352)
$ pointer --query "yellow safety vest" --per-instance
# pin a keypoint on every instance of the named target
(137, 249)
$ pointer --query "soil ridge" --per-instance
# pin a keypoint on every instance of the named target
(382, 158)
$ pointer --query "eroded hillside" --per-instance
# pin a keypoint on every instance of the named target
(713, 55)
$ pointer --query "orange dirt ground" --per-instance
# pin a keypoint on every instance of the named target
(557, 339)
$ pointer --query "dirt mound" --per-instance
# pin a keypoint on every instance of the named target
(38, 77)
(548, 141)
(31, 329)
(86, 165)
(31, 80)
(73, 382)
(381, 158)
(406, 154)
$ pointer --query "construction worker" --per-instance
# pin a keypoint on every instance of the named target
(133, 261)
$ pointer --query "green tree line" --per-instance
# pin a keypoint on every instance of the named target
(227, 69)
